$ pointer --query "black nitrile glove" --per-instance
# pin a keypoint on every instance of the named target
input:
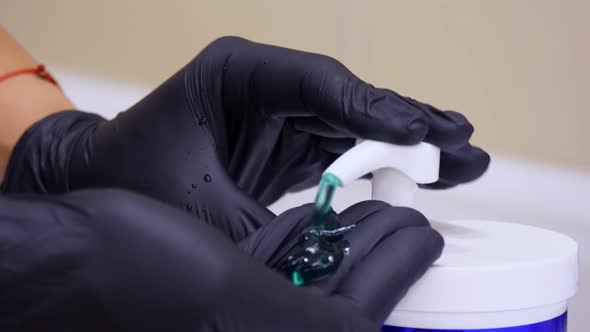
(109, 260)
(242, 123)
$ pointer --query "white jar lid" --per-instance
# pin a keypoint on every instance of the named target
(494, 267)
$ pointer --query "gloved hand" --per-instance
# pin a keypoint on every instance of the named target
(240, 124)
(109, 260)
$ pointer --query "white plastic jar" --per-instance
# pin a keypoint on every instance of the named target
(492, 277)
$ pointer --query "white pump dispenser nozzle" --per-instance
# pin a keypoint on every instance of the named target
(396, 169)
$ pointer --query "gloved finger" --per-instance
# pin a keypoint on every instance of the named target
(447, 129)
(315, 126)
(271, 242)
(460, 166)
(336, 145)
(381, 279)
(438, 185)
(360, 211)
(360, 110)
(375, 221)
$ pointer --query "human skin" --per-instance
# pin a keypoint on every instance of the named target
(24, 99)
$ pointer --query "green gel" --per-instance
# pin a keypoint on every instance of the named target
(325, 195)
(296, 278)
(322, 246)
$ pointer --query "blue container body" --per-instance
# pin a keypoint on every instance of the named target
(557, 324)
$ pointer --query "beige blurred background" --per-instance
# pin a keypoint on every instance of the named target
(518, 69)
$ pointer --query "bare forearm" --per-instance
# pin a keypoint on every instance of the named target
(24, 99)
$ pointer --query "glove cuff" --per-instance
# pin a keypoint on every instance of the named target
(40, 159)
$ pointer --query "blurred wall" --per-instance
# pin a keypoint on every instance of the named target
(518, 69)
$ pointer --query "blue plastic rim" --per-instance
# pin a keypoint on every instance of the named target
(557, 324)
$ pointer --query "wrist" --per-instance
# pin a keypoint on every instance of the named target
(40, 159)
(26, 96)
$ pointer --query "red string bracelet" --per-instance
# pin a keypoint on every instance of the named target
(40, 71)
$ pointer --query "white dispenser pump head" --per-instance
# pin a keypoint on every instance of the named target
(396, 169)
